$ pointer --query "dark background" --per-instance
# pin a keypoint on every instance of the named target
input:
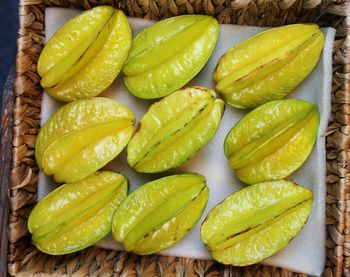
(8, 37)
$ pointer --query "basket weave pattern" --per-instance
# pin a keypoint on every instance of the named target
(25, 260)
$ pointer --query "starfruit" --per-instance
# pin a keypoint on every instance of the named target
(174, 129)
(81, 137)
(272, 141)
(269, 65)
(76, 215)
(256, 222)
(86, 54)
(167, 55)
(160, 213)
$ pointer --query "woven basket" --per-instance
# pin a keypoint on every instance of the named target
(21, 122)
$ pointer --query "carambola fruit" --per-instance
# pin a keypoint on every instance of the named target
(167, 55)
(76, 215)
(272, 141)
(83, 136)
(269, 65)
(160, 213)
(86, 54)
(174, 129)
(256, 222)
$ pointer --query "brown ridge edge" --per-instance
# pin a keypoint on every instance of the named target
(25, 260)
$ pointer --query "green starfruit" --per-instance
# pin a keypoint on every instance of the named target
(268, 65)
(174, 129)
(160, 213)
(83, 136)
(272, 141)
(76, 215)
(167, 55)
(256, 222)
(86, 54)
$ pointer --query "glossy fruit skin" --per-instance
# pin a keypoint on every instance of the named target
(160, 213)
(86, 54)
(256, 222)
(167, 55)
(81, 137)
(268, 65)
(174, 129)
(272, 141)
(76, 215)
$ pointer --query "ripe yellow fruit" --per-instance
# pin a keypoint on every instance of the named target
(83, 136)
(269, 65)
(167, 55)
(174, 129)
(160, 213)
(272, 141)
(256, 222)
(76, 215)
(86, 54)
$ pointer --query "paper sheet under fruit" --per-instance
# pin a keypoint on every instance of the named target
(305, 253)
